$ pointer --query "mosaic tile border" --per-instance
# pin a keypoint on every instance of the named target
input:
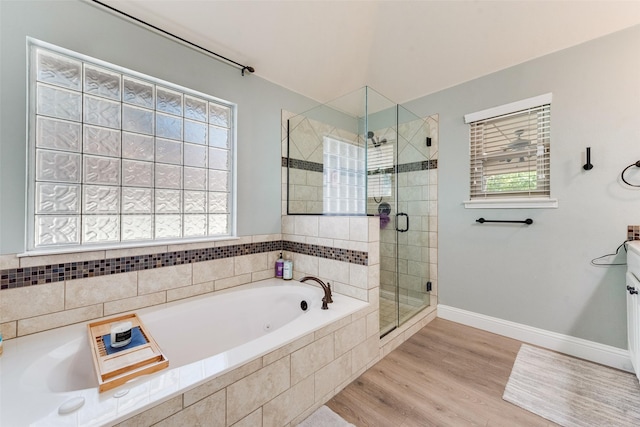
(338, 254)
(43, 274)
(418, 166)
(633, 232)
(302, 164)
(319, 167)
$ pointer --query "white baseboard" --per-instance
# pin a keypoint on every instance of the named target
(577, 347)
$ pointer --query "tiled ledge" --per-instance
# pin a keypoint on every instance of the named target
(52, 273)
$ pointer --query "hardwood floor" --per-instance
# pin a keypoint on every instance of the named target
(447, 374)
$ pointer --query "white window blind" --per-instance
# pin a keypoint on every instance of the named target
(379, 170)
(510, 154)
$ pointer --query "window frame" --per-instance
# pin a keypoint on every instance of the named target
(82, 246)
(509, 201)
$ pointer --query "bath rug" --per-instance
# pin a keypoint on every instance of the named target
(572, 392)
(324, 417)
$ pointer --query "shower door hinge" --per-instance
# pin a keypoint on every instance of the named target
(428, 286)
(428, 141)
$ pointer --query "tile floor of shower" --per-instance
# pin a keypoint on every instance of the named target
(390, 316)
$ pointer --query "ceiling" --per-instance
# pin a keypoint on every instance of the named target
(403, 49)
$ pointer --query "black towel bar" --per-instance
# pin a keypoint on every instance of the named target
(527, 221)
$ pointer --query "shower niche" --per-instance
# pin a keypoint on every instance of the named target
(363, 154)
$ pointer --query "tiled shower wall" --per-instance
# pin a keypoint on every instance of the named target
(416, 250)
(417, 181)
(305, 155)
(311, 229)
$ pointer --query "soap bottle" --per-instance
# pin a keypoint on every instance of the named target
(287, 271)
(1, 349)
(279, 267)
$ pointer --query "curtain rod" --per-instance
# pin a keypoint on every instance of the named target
(242, 67)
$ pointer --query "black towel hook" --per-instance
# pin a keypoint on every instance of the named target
(588, 166)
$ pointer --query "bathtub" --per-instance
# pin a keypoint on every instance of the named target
(203, 337)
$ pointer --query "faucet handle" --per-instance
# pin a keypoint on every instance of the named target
(329, 299)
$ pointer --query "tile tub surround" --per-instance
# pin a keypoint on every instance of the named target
(270, 384)
(85, 286)
(344, 233)
(312, 369)
(633, 232)
(38, 275)
(281, 388)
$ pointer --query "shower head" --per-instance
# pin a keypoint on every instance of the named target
(376, 141)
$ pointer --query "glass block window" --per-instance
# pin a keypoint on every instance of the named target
(119, 157)
(344, 177)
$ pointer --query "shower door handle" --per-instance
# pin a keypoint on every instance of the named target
(398, 215)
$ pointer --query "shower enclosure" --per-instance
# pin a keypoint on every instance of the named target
(362, 154)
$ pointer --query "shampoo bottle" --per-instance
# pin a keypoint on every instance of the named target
(287, 271)
(279, 267)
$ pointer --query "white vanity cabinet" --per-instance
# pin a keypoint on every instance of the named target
(633, 304)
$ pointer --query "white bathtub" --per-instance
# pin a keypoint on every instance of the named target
(203, 337)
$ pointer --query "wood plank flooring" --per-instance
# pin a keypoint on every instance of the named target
(447, 374)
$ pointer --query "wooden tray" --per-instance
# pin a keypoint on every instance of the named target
(118, 368)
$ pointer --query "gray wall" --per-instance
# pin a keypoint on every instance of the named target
(86, 29)
(540, 275)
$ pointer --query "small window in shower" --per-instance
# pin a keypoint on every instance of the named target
(343, 177)
(379, 171)
(510, 153)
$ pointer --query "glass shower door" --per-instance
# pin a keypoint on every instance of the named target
(363, 146)
(412, 217)
(381, 133)
(398, 151)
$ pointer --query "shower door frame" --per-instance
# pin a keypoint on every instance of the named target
(417, 286)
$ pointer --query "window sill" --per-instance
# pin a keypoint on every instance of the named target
(165, 244)
(524, 203)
